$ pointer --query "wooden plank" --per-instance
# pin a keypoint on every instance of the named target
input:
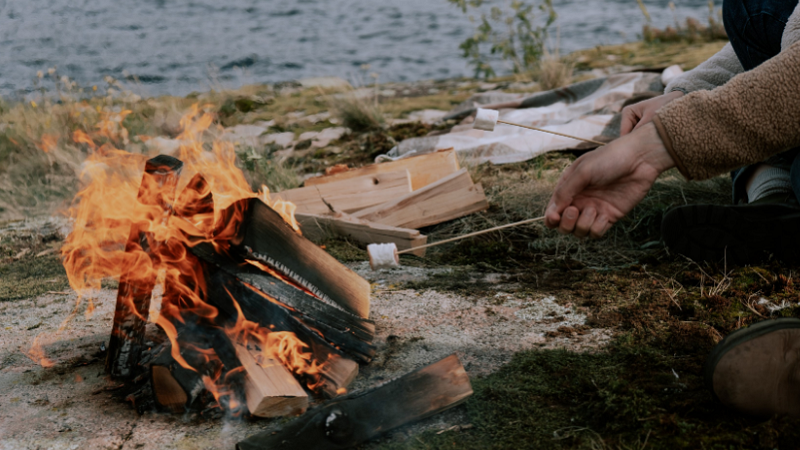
(349, 195)
(317, 227)
(276, 244)
(159, 183)
(270, 389)
(447, 199)
(355, 418)
(424, 169)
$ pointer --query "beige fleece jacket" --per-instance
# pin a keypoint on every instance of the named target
(753, 116)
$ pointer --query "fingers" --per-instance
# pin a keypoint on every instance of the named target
(582, 223)
(585, 222)
(599, 227)
(630, 118)
(568, 220)
(572, 181)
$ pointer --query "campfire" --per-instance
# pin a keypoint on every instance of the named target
(254, 315)
(254, 319)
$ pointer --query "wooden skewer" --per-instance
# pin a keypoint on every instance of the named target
(551, 132)
(476, 233)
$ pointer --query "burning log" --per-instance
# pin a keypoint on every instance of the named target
(355, 418)
(157, 192)
(265, 298)
(267, 237)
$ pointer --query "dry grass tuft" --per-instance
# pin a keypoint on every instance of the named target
(553, 71)
(358, 111)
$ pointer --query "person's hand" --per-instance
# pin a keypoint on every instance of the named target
(640, 114)
(600, 187)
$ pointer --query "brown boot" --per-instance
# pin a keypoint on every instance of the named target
(756, 370)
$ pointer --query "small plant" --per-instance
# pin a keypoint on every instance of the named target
(511, 34)
(693, 31)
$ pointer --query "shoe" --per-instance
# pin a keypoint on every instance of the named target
(756, 370)
(740, 234)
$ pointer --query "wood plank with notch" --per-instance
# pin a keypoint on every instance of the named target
(355, 418)
(270, 389)
(449, 198)
(317, 227)
(268, 236)
(350, 194)
(424, 169)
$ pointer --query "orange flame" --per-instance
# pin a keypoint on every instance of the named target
(117, 207)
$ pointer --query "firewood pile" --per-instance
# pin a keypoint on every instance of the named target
(260, 321)
(387, 202)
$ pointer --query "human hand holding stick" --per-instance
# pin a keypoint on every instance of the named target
(602, 186)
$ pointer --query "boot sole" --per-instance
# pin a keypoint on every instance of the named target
(740, 235)
(739, 337)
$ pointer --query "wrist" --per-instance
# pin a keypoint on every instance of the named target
(654, 151)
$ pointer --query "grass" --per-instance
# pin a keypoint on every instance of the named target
(645, 389)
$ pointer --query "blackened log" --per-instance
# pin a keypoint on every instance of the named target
(358, 417)
(173, 383)
(347, 331)
(133, 297)
(223, 288)
(266, 235)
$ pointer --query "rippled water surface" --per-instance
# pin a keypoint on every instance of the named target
(181, 46)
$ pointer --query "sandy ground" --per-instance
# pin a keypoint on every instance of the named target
(68, 406)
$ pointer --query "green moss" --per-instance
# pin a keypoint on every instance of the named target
(619, 398)
(30, 277)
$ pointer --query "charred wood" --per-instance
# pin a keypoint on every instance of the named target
(355, 418)
(133, 297)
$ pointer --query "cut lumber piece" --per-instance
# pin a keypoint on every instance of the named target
(168, 392)
(270, 389)
(424, 169)
(355, 418)
(337, 374)
(447, 199)
(159, 183)
(316, 227)
(276, 244)
(349, 195)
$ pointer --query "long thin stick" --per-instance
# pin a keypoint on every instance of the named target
(551, 132)
(476, 233)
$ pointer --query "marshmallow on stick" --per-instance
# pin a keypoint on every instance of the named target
(383, 256)
(486, 119)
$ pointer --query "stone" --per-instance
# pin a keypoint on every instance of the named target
(244, 134)
(282, 139)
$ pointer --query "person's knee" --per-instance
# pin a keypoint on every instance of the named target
(734, 15)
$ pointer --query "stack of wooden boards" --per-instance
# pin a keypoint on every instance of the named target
(387, 202)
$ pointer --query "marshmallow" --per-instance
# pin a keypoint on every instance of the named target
(485, 119)
(383, 256)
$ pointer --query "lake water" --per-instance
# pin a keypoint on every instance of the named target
(176, 47)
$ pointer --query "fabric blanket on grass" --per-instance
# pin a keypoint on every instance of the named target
(589, 109)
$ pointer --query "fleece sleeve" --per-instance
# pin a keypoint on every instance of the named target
(714, 72)
(755, 115)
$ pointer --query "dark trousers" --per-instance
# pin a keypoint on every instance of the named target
(755, 28)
